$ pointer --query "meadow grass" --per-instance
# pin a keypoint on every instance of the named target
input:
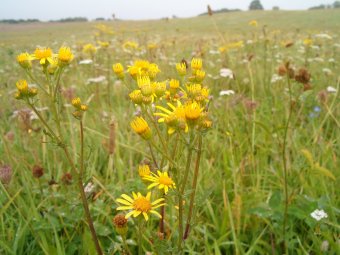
(264, 128)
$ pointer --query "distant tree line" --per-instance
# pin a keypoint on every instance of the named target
(335, 5)
(221, 11)
(16, 21)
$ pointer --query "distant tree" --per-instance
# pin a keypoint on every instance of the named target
(255, 5)
(276, 8)
(319, 7)
(336, 4)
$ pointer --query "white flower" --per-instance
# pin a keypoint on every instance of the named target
(327, 71)
(96, 79)
(225, 72)
(275, 78)
(227, 92)
(214, 52)
(323, 36)
(89, 188)
(86, 62)
(319, 214)
(331, 89)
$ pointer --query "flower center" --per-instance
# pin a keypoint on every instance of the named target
(142, 204)
(165, 180)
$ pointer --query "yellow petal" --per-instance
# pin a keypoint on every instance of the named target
(146, 217)
(128, 215)
(122, 208)
(127, 198)
(156, 213)
(136, 213)
(157, 201)
(122, 201)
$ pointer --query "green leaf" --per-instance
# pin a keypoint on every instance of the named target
(324, 171)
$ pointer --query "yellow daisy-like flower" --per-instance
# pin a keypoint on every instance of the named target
(44, 55)
(307, 42)
(253, 23)
(136, 96)
(192, 112)
(181, 69)
(162, 180)
(144, 170)
(141, 127)
(196, 64)
(174, 119)
(89, 49)
(139, 204)
(25, 60)
(65, 55)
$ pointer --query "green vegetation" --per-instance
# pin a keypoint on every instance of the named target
(270, 159)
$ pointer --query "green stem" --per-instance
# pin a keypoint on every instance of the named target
(194, 185)
(284, 161)
(140, 236)
(83, 195)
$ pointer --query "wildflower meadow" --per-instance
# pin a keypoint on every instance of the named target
(217, 134)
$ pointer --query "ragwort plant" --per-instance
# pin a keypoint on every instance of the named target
(172, 119)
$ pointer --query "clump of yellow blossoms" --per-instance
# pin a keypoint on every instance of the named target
(24, 91)
(80, 108)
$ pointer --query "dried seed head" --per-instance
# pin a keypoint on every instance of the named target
(120, 222)
(303, 76)
(37, 171)
(5, 174)
(66, 178)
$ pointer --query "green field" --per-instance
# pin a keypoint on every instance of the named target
(254, 178)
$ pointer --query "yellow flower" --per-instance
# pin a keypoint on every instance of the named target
(199, 75)
(139, 205)
(192, 112)
(44, 55)
(89, 49)
(53, 65)
(143, 170)
(196, 64)
(253, 23)
(181, 69)
(104, 44)
(24, 90)
(76, 102)
(141, 127)
(153, 71)
(136, 96)
(162, 180)
(307, 42)
(159, 88)
(118, 69)
(130, 45)
(25, 60)
(174, 119)
(65, 55)
(22, 86)
(174, 84)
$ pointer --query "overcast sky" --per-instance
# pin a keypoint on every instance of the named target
(131, 9)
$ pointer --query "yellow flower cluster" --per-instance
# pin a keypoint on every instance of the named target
(79, 107)
(24, 91)
(46, 58)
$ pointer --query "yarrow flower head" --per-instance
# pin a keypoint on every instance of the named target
(141, 127)
(139, 205)
(162, 180)
(319, 214)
